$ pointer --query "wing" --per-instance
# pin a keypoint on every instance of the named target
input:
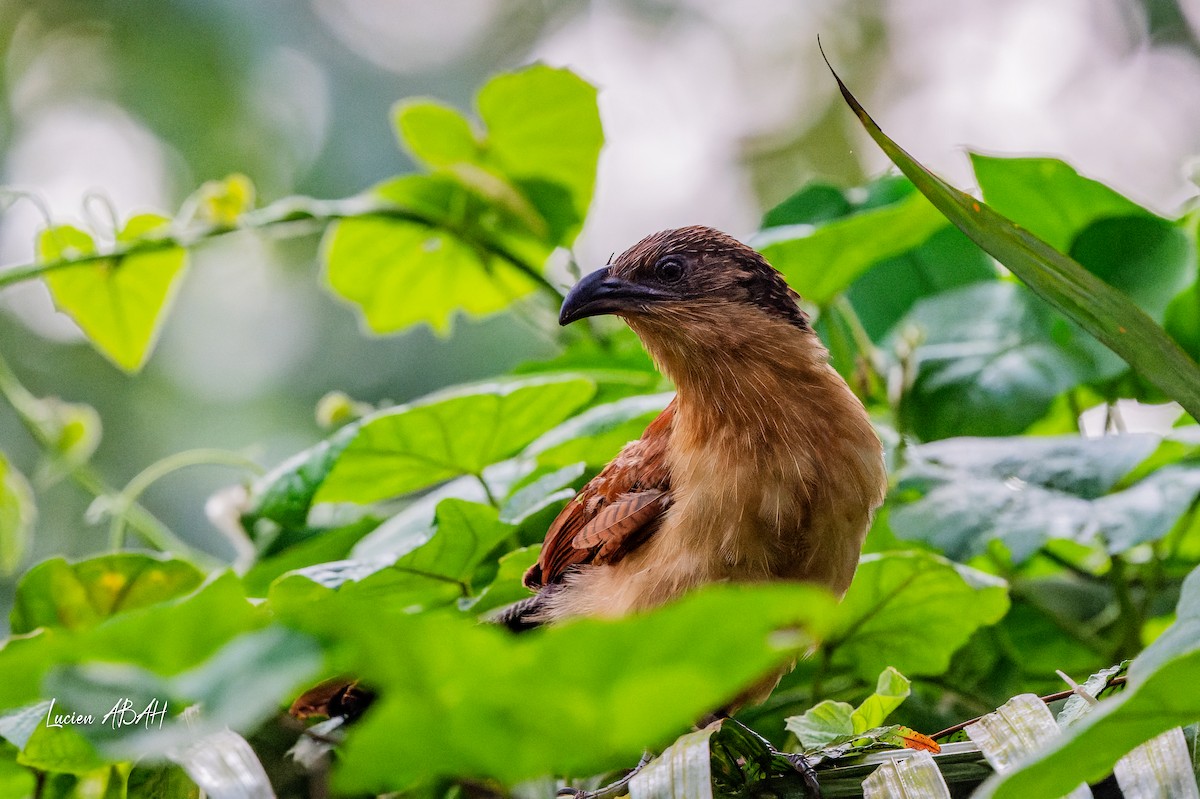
(340, 696)
(615, 512)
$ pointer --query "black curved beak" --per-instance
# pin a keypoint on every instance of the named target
(601, 293)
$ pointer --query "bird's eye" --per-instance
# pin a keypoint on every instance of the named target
(669, 269)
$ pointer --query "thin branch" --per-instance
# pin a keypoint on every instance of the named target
(122, 502)
(280, 215)
(1054, 697)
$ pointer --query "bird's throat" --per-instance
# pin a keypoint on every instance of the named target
(752, 384)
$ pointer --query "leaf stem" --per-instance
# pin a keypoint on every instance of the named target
(821, 671)
(123, 501)
(152, 531)
(281, 215)
(487, 491)
(862, 341)
(1129, 642)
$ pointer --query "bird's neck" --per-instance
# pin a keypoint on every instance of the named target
(754, 382)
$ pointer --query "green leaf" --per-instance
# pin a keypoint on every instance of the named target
(817, 203)
(822, 723)
(828, 720)
(325, 545)
(994, 371)
(890, 288)
(1047, 197)
(1159, 695)
(525, 702)
(891, 689)
(1147, 258)
(17, 514)
(415, 524)
(119, 303)
(344, 587)
(912, 611)
(400, 273)
(1182, 319)
(20, 782)
(435, 134)
(465, 532)
(508, 585)
(537, 157)
(59, 749)
(239, 687)
(447, 551)
(79, 595)
(813, 204)
(964, 493)
(597, 434)
(856, 744)
(415, 446)
(165, 638)
(821, 264)
(540, 493)
(161, 782)
(1097, 307)
(279, 502)
(544, 133)
(18, 726)
(474, 236)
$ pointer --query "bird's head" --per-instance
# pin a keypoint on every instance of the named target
(688, 286)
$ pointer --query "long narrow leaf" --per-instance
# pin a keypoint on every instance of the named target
(1099, 308)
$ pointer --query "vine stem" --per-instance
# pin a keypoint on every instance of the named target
(293, 211)
(147, 525)
(123, 501)
(1048, 698)
(1130, 614)
(487, 491)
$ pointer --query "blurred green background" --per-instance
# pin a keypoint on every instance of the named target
(713, 111)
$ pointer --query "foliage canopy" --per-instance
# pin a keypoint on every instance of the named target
(1009, 546)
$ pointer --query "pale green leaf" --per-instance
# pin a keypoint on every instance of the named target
(891, 689)
(415, 446)
(401, 273)
(597, 434)
(962, 493)
(119, 303)
(435, 134)
(822, 723)
(544, 133)
(17, 514)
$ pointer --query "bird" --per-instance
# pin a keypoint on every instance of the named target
(764, 466)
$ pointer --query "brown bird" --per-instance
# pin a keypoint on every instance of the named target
(764, 466)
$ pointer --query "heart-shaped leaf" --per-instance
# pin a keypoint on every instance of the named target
(119, 302)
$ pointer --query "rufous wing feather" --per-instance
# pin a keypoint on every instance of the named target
(613, 513)
(620, 521)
